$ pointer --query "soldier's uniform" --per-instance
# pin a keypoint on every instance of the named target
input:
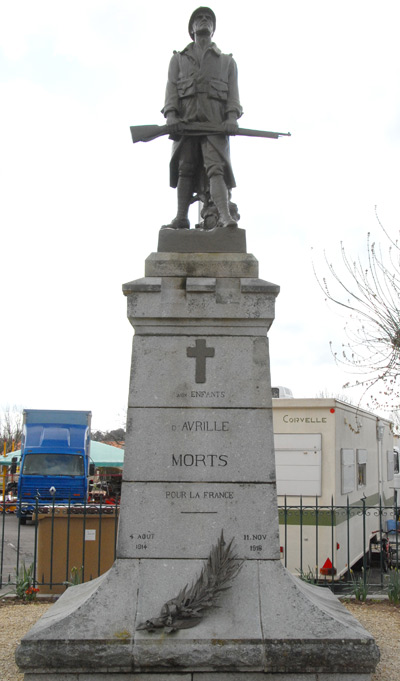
(202, 87)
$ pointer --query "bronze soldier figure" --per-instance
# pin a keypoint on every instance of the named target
(202, 88)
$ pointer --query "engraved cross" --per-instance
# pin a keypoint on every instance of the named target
(200, 353)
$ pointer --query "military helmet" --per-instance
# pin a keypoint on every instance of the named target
(196, 11)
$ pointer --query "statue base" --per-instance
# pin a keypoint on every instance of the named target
(271, 626)
(199, 460)
(218, 240)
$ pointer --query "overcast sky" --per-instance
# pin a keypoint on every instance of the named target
(81, 205)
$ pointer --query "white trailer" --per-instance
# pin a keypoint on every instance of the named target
(330, 454)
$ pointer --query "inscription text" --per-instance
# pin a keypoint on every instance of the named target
(205, 426)
(210, 460)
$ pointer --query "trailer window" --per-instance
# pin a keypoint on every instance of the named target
(53, 464)
(348, 470)
(361, 467)
(390, 464)
(396, 461)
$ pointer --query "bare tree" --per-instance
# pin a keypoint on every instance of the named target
(110, 436)
(395, 419)
(325, 394)
(369, 293)
(10, 427)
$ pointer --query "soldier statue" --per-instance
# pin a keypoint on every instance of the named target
(202, 88)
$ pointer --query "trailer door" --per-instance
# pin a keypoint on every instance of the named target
(298, 464)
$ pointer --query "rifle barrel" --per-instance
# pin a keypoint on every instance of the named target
(146, 133)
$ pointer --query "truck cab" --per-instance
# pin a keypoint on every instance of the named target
(55, 458)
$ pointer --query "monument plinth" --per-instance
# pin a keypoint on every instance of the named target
(198, 508)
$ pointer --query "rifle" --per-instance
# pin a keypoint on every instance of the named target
(146, 133)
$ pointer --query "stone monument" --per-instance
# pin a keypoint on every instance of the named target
(198, 591)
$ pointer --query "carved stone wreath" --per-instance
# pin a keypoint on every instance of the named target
(187, 609)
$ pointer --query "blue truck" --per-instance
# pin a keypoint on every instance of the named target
(55, 459)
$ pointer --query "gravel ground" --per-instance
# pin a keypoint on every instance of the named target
(15, 622)
(381, 619)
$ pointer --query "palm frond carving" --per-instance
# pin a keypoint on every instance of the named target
(187, 609)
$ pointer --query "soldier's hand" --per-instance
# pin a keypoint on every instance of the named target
(174, 123)
(231, 126)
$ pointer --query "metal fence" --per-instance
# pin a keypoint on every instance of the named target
(330, 544)
(323, 544)
(61, 544)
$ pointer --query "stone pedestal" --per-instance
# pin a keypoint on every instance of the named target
(199, 461)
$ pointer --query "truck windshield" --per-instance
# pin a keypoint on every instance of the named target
(53, 464)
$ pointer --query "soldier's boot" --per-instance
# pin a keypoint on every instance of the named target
(184, 193)
(220, 198)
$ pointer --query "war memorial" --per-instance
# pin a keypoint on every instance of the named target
(198, 591)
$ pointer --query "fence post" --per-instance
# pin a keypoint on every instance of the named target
(380, 537)
(332, 540)
(35, 538)
(117, 502)
(67, 571)
(52, 541)
(99, 550)
(396, 535)
(348, 538)
(18, 536)
(3, 522)
(316, 537)
(83, 540)
(364, 542)
(285, 525)
(301, 535)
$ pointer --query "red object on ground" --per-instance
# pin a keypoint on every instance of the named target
(327, 568)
